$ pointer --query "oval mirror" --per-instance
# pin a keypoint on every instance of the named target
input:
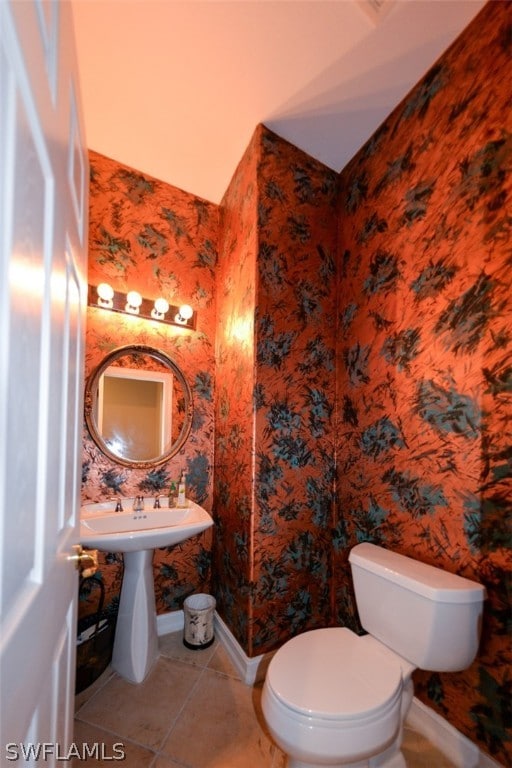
(138, 406)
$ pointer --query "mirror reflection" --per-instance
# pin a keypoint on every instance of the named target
(138, 406)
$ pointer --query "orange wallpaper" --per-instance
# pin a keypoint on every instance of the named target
(424, 366)
(274, 437)
(234, 449)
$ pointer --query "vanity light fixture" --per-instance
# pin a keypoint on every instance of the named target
(104, 296)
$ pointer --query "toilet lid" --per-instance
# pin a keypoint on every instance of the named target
(330, 673)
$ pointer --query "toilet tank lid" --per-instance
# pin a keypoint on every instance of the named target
(433, 583)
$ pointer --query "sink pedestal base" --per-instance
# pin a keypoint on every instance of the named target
(136, 640)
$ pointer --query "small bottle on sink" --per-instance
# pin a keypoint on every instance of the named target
(173, 495)
(182, 501)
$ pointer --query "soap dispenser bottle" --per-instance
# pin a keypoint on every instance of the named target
(182, 501)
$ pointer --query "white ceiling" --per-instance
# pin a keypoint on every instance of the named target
(175, 88)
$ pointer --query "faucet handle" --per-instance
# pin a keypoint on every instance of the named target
(117, 499)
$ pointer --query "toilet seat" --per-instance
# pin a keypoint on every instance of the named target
(329, 674)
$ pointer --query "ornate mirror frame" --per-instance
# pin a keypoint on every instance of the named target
(91, 399)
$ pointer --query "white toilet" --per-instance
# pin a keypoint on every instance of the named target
(334, 698)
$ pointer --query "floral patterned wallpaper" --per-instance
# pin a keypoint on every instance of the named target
(294, 394)
(148, 236)
(424, 356)
(234, 465)
(274, 466)
(359, 360)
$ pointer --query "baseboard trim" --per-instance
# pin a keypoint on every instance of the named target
(454, 745)
(251, 670)
(169, 622)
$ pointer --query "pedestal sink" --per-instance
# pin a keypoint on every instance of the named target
(136, 534)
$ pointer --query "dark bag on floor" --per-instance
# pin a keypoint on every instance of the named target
(95, 640)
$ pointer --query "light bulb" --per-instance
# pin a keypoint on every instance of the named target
(134, 300)
(184, 314)
(186, 311)
(105, 295)
(160, 308)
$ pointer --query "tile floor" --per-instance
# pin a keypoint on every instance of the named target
(192, 711)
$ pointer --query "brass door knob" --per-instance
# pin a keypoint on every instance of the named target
(86, 561)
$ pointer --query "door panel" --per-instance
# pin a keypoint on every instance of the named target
(43, 224)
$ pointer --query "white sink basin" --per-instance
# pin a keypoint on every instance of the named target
(129, 531)
(136, 534)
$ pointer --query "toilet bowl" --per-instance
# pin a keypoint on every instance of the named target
(333, 698)
(328, 694)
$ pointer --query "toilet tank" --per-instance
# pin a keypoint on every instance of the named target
(426, 615)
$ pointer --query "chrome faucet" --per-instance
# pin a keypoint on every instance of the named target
(138, 504)
(117, 499)
(156, 505)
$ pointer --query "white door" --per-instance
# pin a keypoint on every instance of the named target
(43, 232)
